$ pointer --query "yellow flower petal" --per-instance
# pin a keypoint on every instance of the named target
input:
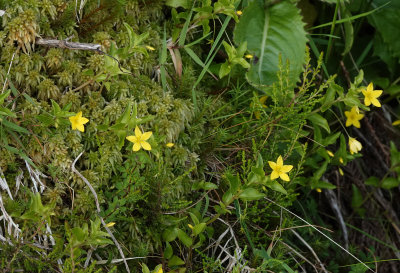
(138, 133)
(145, 145)
(110, 224)
(169, 145)
(397, 122)
(136, 147)
(80, 127)
(272, 164)
(239, 12)
(78, 121)
(132, 139)
(376, 102)
(160, 270)
(341, 160)
(330, 153)
(286, 168)
(341, 172)
(354, 145)
(248, 56)
(146, 136)
(274, 175)
(318, 190)
(150, 48)
(284, 177)
(279, 162)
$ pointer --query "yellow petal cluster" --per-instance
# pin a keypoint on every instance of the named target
(279, 170)
(139, 140)
(78, 121)
(354, 145)
(353, 117)
(371, 95)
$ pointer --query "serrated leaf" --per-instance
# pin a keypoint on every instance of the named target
(270, 32)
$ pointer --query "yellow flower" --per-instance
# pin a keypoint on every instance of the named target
(139, 140)
(396, 122)
(341, 160)
(169, 145)
(150, 48)
(78, 121)
(279, 170)
(341, 172)
(190, 226)
(354, 145)
(262, 101)
(353, 117)
(330, 153)
(160, 270)
(239, 12)
(110, 224)
(248, 56)
(318, 190)
(371, 95)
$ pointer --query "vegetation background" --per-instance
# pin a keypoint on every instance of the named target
(199, 136)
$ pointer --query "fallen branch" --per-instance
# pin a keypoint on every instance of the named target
(99, 210)
(65, 44)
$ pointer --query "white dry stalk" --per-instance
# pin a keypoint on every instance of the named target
(4, 185)
(323, 234)
(99, 210)
(2, 12)
(7, 219)
(35, 177)
(8, 72)
(18, 180)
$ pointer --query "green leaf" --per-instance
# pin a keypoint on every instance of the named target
(387, 21)
(329, 97)
(4, 96)
(348, 29)
(234, 182)
(170, 234)
(272, 31)
(357, 200)
(224, 70)
(199, 228)
(14, 127)
(184, 238)
(145, 269)
(202, 185)
(390, 183)
(319, 121)
(175, 261)
(322, 185)
(274, 185)
(168, 252)
(372, 181)
(250, 194)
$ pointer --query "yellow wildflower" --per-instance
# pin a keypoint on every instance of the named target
(371, 95)
(110, 224)
(239, 12)
(330, 153)
(353, 117)
(248, 56)
(354, 145)
(397, 122)
(341, 172)
(160, 270)
(139, 140)
(150, 48)
(257, 114)
(78, 121)
(169, 145)
(318, 190)
(279, 170)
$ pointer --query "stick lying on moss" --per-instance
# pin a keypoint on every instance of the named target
(68, 45)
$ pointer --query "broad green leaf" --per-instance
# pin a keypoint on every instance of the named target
(274, 185)
(357, 200)
(390, 182)
(168, 252)
(199, 228)
(250, 194)
(272, 31)
(175, 261)
(372, 181)
(170, 234)
(322, 185)
(387, 21)
(319, 121)
(184, 238)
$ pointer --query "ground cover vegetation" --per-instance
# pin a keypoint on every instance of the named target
(199, 136)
